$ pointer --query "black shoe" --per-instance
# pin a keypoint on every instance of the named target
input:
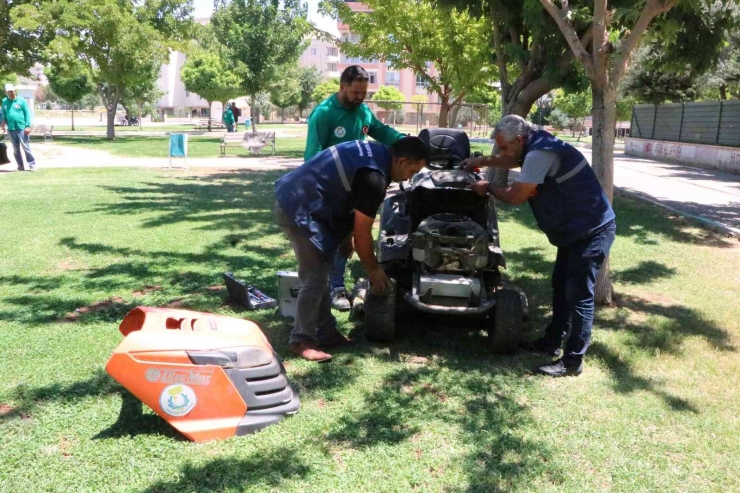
(560, 368)
(541, 346)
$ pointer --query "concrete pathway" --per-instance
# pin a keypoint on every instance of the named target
(712, 197)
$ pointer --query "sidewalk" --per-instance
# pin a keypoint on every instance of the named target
(712, 197)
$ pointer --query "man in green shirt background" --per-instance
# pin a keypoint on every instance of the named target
(16, 117)
(343, 117)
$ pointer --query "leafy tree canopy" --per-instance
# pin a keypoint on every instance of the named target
(324, 90)
(260, 38)
(308, 78)
(448, 50)
(118, 41)
(388, 93)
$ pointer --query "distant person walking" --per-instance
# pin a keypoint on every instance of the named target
(229, 119)
(237, 114)
(16, 117)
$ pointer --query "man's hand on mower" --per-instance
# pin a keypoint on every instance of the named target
(473, 163)
(379, 281)
(480, 187)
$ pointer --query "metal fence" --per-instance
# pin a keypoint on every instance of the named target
(475, 119)
(710, 122)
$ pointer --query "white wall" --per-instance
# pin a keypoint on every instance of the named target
(705, 156)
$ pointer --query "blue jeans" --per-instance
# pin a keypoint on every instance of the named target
(19, 138)
(229, 127)
(337, 272)
(573, 281)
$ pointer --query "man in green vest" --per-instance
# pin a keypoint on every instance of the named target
(343, 117)
(16, 118)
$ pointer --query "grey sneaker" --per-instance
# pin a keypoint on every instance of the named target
(562, 368)
(339, 300)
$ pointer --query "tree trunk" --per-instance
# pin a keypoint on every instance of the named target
(73, 118)
(500, 176)
(253, 112)
(444, 111)
(111, 113)
(604, 120)
(452, 119)
(722, 91)
(128, 113)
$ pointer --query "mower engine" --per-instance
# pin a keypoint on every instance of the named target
(450, 243)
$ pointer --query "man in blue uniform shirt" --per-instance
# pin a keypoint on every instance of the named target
(572, 210)
(320, 206)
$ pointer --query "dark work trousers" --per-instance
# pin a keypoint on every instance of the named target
(314, 321)
(573, 281)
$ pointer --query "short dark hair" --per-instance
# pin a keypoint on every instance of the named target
(411, 148)
(353, 73)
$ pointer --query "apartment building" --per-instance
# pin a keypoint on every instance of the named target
(322, 55)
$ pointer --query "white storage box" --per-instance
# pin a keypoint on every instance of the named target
(288, 286)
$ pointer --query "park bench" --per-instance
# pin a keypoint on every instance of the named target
(252, 141)
(44, 130)
(203, 124)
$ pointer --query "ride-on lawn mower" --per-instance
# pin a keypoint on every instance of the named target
(439, 244)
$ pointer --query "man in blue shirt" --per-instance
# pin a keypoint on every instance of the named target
(573, 211)
(321, 206)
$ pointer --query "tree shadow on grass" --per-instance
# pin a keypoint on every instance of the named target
(467, 394)
(132, 421)
(644, 223)
(261, 471)
(651, 326)
(29, 398)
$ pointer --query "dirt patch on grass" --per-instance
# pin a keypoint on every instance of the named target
(146, 290)
(6, 410)
(98, 306)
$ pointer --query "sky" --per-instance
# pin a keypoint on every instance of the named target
(203, 8)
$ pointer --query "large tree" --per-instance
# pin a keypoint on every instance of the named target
(616, 30)
(308, 78)
(577, 105)
(206, 74)
(324, 90)
(390, 100)
(447, 50)
(260, 38)
(70, 85)
(117, 40)
(20, 45)
(287, 93)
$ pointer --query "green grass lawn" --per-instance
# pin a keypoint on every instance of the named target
(655, 410)
(181, 127)
(198, 146)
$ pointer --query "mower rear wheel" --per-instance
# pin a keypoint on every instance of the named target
(505, 324)
(380, 315)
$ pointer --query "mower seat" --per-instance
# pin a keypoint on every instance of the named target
(209, 376)
(448, 147)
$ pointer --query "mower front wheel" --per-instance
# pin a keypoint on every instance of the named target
(380, 315)
(505, 324)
